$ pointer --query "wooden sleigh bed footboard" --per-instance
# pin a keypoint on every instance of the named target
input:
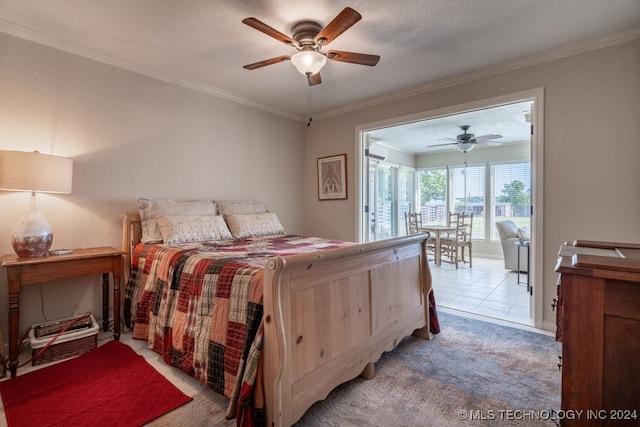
(329, 315)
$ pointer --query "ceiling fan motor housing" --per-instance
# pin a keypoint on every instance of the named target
(304, 32)
(465, 136)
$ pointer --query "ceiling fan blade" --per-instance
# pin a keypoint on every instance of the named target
(314, 79)
(353, 58)
(442, 145)
(489, 143)
(261, 26)
(487, 137)
(267, 62)
(447, 139)
(339, 25)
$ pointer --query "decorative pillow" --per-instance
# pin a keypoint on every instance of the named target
(143, 208)
(151, 209)
(237, 207)
(250, 225)
(192, 228)
(524, 234)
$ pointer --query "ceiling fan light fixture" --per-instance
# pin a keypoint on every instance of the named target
(308, 62)
(465, 147)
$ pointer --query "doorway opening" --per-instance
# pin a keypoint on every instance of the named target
(418, 164)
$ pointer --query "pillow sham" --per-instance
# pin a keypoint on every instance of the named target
(255, 224)
(192, 228)
(143, 208)
(151, 209)
(236, 207)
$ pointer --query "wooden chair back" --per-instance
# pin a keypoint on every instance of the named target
(454, 245)
(465, 227)
(413, 222)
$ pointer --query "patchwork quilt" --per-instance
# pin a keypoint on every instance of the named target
(199, 305)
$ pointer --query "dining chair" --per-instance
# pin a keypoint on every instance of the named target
(413, 223)
(454, 220)
(453, 246)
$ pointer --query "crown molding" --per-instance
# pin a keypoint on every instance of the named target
(493, 70)
(82, 51)
(527, 61)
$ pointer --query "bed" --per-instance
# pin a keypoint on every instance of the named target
(270, 320)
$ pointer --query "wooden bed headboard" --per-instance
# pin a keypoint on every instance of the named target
(131, 236)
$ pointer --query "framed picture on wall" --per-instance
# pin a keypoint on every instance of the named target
(332, 177)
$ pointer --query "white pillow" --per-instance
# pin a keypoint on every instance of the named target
(250, 225)
(236, 207)
(151, 209)
(524, 234)
(143, 209)
(192, 228)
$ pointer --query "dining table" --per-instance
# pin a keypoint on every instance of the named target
(437, 231)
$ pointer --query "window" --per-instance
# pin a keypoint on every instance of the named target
(395, 192)
(406, 196)
(468, 194)
(465, 189)
(433, 196)
(512, 194)
(386, 190)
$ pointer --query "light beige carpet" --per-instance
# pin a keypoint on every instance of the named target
(500, 376)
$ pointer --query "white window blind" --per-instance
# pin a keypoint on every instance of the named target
(406, 197)
(386, 194)
(395, 194)
(467, 189)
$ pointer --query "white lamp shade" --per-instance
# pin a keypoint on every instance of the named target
(24, 171)
(308, 62)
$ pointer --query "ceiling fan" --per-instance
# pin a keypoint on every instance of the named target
(308, 39)
(465, 142)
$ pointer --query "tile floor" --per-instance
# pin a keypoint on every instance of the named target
(486, 289)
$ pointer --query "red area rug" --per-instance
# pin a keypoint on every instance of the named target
(111, 385)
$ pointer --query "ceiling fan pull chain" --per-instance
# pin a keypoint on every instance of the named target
(309, 108)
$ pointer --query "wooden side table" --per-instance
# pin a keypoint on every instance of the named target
(527, 246)
(81, 262)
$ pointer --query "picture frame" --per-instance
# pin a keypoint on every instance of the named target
(332, 177)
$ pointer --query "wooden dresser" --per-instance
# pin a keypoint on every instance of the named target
(598, 321)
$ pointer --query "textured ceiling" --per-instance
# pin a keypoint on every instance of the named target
(203, 44)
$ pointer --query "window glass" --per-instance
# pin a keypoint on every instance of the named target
(406, 196)
(512, 195)
(433, 193)
(386, 190)
(467, 187)
(444, 190)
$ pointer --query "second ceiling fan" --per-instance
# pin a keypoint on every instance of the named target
(466, 142)
(308, 39)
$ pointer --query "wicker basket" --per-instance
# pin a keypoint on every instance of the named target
(66, 345)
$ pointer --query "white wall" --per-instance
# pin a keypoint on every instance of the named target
(130, 136)
(592, 148)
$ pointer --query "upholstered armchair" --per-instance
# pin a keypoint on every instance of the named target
(509, 235)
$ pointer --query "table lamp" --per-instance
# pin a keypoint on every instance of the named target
(34, 172)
